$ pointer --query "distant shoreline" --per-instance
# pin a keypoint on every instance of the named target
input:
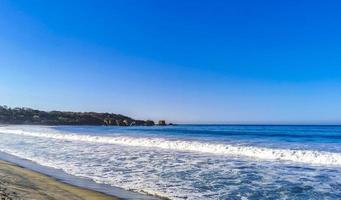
(28, 116)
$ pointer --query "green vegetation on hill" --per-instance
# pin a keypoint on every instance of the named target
(30, 116)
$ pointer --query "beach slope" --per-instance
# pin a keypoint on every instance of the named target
(21, 183)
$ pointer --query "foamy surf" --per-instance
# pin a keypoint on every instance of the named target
(300, 156)
(179, 163)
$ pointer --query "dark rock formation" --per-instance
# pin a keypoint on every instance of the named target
(138, 123)
(149, 123)
(162, 123)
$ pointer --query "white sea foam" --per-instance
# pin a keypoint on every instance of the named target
(176, 168)
(301, 156)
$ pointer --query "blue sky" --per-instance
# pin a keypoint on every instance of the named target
(183, 61)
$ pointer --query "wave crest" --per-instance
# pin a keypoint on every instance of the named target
(301, 156)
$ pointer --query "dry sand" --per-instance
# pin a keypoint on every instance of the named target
(20, 183)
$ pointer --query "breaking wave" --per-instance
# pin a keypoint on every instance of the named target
(300, 156)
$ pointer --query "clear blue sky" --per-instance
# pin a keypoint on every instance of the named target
(183, 61)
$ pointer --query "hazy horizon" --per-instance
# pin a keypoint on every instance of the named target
(186, 62)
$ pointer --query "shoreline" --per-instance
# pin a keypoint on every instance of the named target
(21, 183)
(56, 176)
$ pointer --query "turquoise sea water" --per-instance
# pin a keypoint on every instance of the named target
(191, 161)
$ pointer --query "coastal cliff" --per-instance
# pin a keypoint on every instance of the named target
(31, 116)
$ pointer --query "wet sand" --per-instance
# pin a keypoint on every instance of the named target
(20, 183)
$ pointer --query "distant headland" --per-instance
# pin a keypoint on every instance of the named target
(30, 116)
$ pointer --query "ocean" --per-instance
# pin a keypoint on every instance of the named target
(190, 161)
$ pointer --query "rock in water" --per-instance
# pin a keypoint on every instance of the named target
(162, 123)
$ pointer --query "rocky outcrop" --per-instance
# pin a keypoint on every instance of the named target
(162, 123)
(149, 123)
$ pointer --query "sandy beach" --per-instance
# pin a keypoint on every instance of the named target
(20, 183)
